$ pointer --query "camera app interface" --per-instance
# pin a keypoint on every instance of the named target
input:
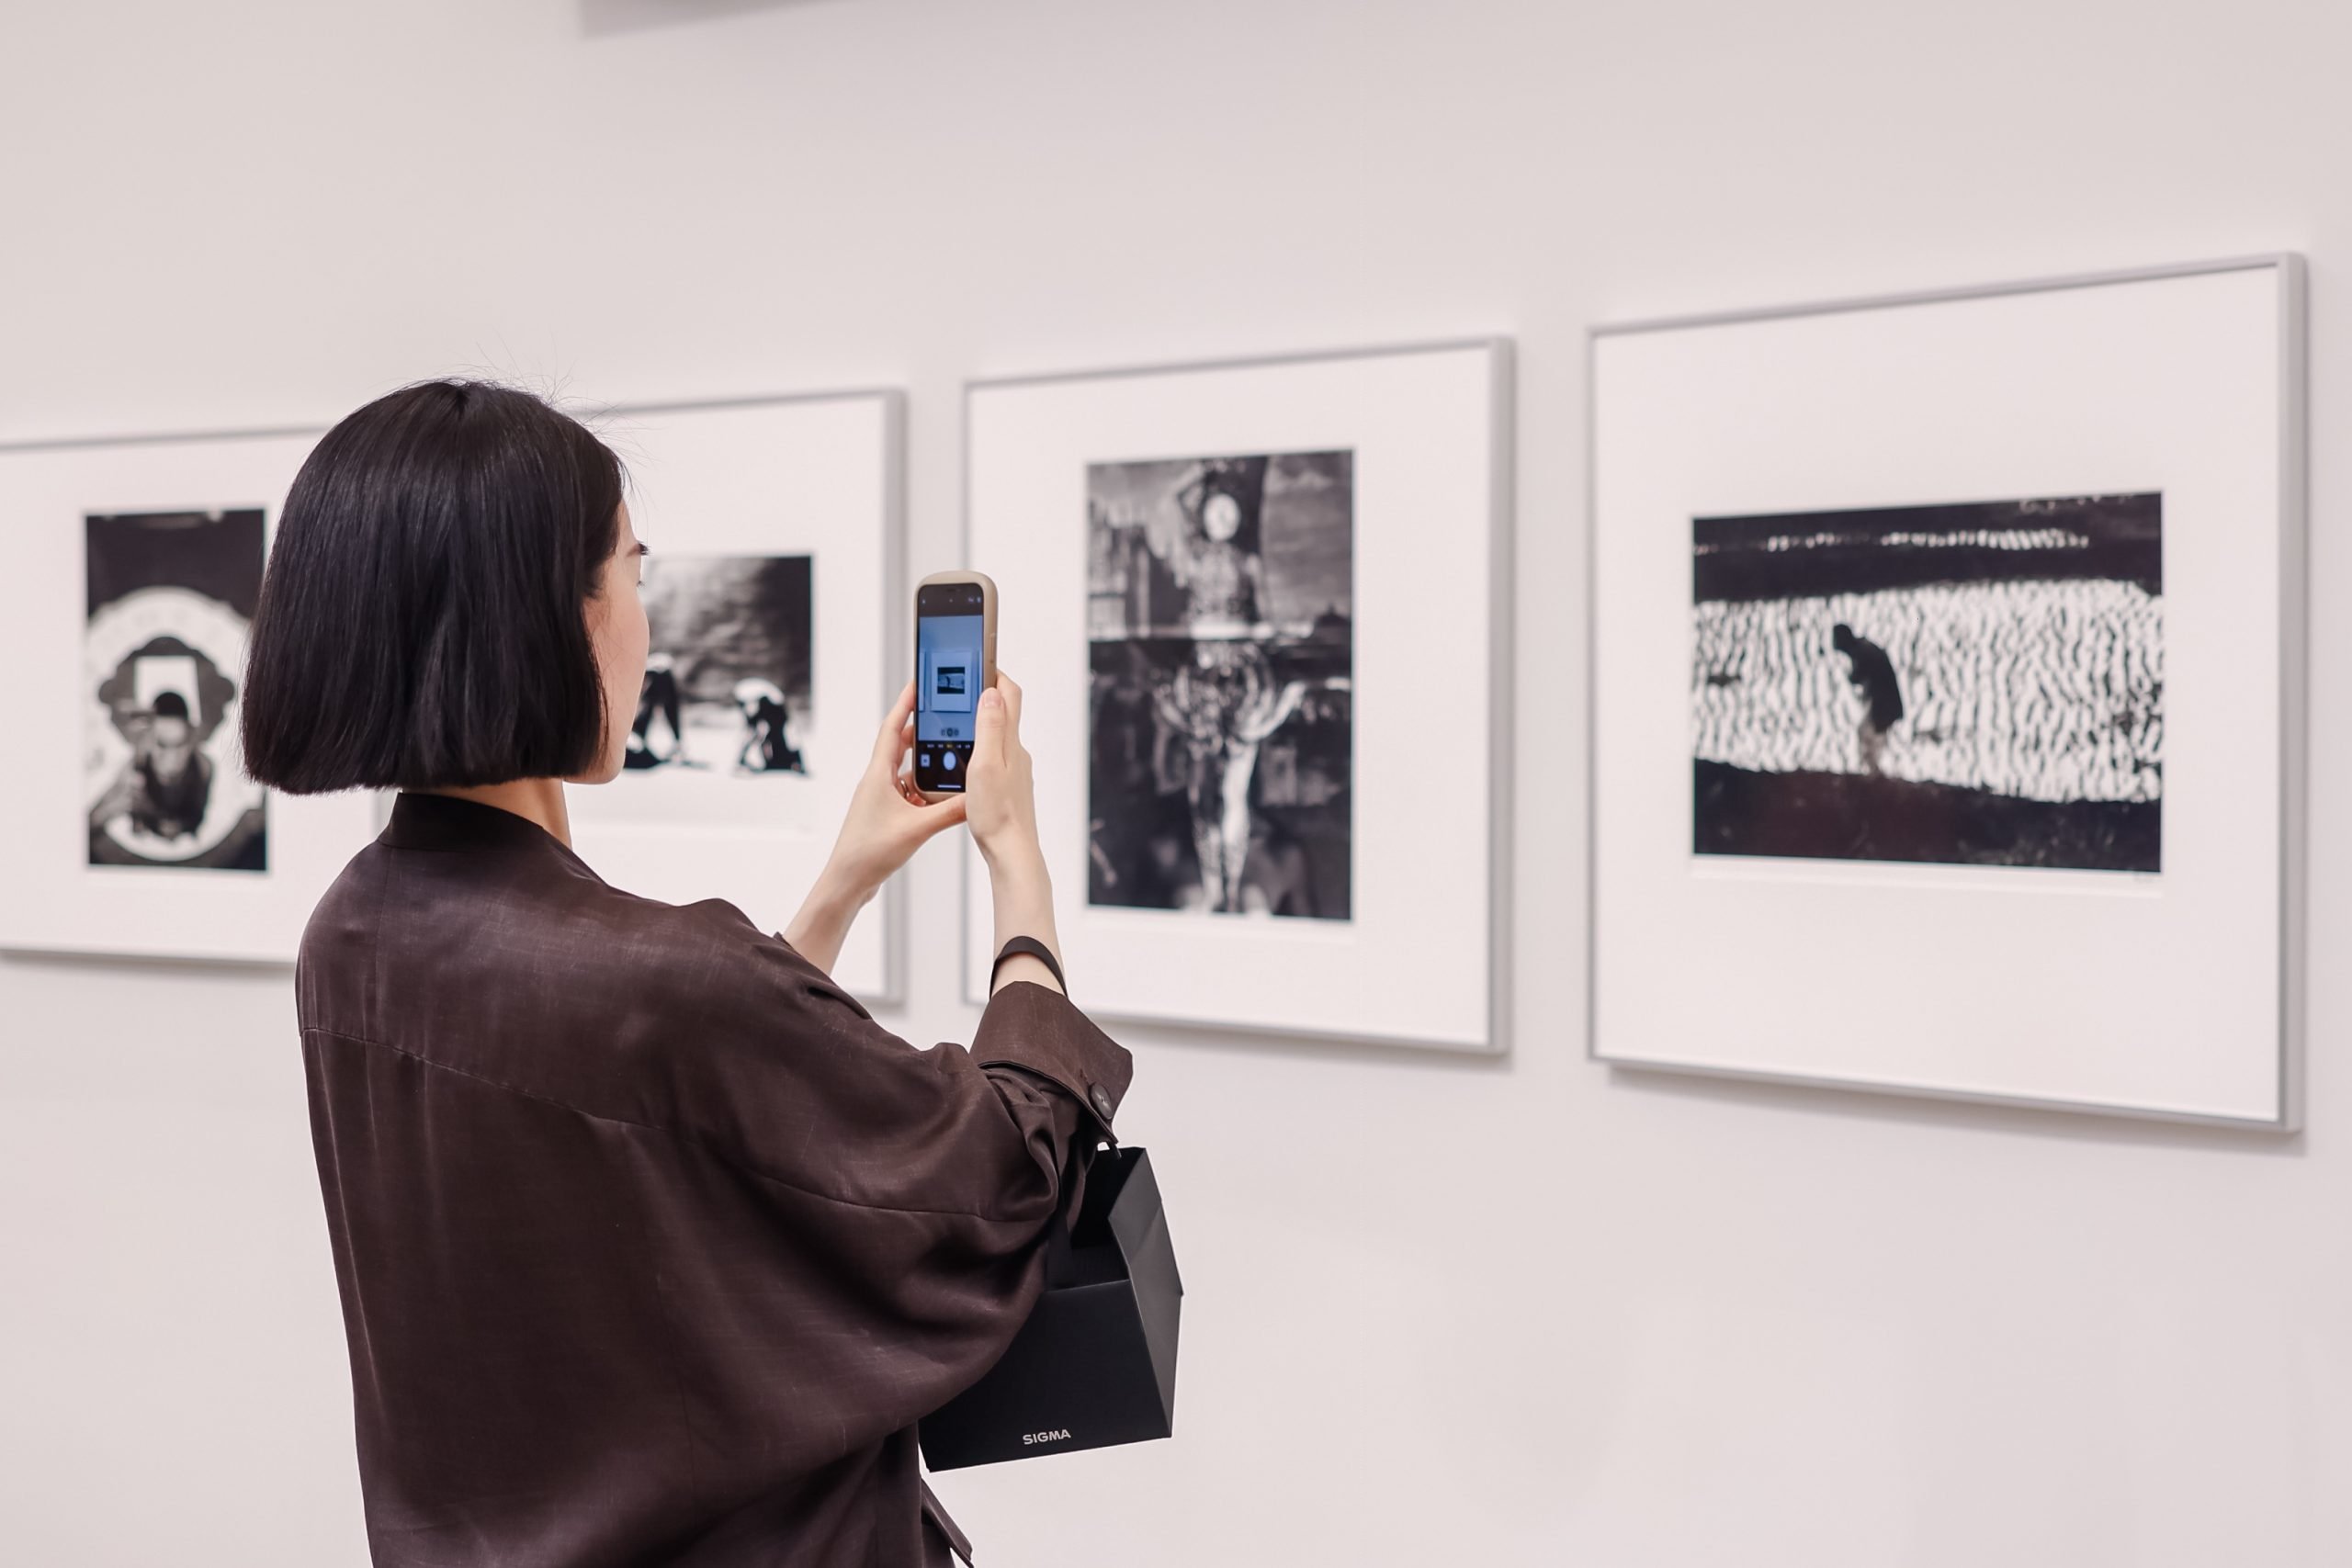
(948, 628)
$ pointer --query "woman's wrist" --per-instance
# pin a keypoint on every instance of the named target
(1025, 911)
(1018, 856)
(818, 931)
(1023, 893)
(847, 887)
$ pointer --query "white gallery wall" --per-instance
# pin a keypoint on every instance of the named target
(1511, 1312)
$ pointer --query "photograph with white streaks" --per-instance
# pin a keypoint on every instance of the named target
(1977, 684)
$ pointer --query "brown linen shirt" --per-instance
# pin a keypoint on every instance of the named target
(653, 1245)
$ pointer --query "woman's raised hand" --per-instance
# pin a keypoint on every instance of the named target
(888, 820)
(1002, 803)
(1001, 797)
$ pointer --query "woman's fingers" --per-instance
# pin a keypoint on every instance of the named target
(890, 743)
(905, 784)
(989, 729)
(1012, 690)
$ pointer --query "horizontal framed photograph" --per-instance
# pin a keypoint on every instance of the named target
(133, 828)
(1947, 693)
(770, 594)
(1258, 613)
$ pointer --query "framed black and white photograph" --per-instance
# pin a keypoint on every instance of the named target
(1947, 693)
(769, 590)
(1236, 596)
(134, 828)
(171, 598)
(727, 667)
(1971, 684)
(1220, 647)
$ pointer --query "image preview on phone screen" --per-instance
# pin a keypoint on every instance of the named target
(948, 674)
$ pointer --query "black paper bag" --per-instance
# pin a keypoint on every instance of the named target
(1095, 1364)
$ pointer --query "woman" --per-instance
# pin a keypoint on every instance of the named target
(653, 1246)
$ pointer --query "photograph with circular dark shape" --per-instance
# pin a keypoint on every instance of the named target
(170, 598)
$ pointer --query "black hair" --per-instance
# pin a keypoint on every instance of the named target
(171, 704)
(421, 622)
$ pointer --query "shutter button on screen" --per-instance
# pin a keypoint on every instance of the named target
(948, 761)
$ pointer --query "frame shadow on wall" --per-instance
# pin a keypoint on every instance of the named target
(1849, 1102)
(602, 17)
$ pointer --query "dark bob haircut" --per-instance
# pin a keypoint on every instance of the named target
(421, 624)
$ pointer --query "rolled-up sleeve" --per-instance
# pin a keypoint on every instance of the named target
(1040, 1031)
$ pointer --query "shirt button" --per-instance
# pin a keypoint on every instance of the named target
(1102, 1099)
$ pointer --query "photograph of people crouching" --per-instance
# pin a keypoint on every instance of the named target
(727, 679)
(1979, 683)
(170, 597)
(1222, 653)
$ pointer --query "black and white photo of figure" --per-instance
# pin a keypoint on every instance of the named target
(1973, 684)
(1220, 712)
(726, 672)
(169, 598)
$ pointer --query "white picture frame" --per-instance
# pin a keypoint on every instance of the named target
(1422, 436)
(818, 476)
(51, 495)
(2172, 992)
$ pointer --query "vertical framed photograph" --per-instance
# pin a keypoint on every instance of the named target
(1947, 693)
(1259, 612)
(770, 596)
(134, 828)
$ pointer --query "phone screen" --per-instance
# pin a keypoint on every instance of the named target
(950, 634)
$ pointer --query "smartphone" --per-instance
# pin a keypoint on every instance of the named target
(954, 662)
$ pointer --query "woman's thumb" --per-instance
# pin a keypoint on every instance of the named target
(988, 733)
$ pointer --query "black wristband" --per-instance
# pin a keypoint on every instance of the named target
(1034, 949)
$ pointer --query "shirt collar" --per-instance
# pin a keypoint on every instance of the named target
(444, 822)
